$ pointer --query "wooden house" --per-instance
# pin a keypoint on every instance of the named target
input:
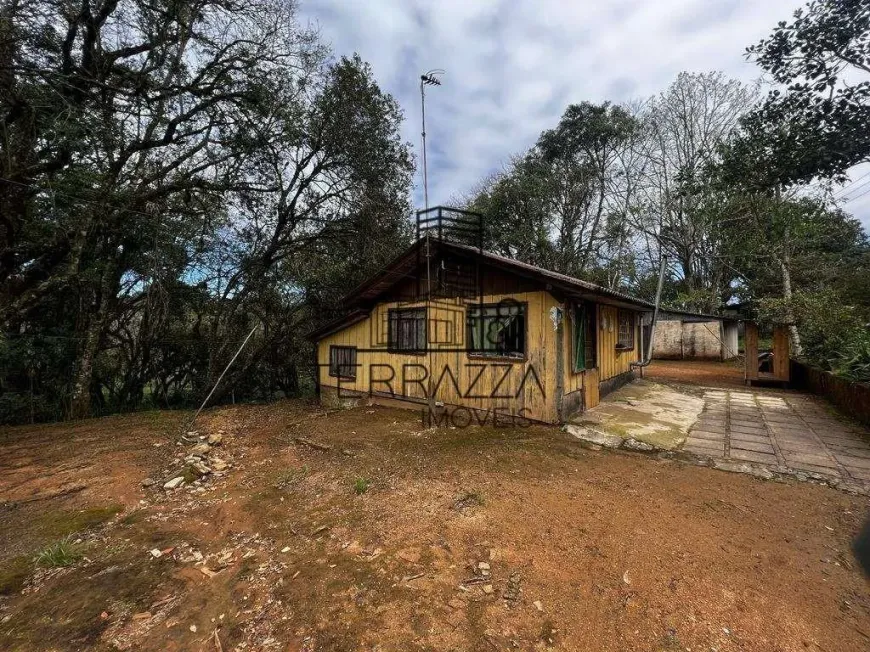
(447, 327)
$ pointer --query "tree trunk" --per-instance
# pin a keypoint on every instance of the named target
(80, 401)
(83, 370)
(787, 294)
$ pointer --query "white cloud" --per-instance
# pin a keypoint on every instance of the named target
(513, 66)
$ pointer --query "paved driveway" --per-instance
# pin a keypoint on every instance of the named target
(781, 430)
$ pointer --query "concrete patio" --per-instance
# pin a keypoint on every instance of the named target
(762, 431)
(781, 430)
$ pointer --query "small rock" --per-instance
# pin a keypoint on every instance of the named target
(6, 618)
(149, 482)
(156, 553)
(174, 483)
(215, 439)
(484, 566)
(285, 549)
(217, 464)
(200, 449)
(538, 605)
(142, 615)
(487, 588)
(193, 628)
(200, 468)
(625, 578)
(512, 593)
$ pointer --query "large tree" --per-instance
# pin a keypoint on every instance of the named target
(147, 148)
(814, 124)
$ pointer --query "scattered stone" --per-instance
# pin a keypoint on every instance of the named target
(142, 615)
(174, 483)
(193, 628)
(285, 549)
(513, 590)
(200, 449)
(149, 482)
(637, 445)
(538, 605)
(217, 464)
(200, 468)
(484, 566)
(156, 553)
(6, 618)
(625, 578)
(215, 439)
(208, 572)
(487, 588)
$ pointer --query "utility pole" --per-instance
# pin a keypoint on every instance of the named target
(427, 79)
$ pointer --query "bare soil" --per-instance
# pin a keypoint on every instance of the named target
(697, 372)
(377, 542)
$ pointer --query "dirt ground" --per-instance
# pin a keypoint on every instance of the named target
(400, 538)
(697, 372)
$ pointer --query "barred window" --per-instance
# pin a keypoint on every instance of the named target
(625, 340)
(407, 330)
(342, 362)
(497, 330)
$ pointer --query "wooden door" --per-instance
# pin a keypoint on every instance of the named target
(750, 336)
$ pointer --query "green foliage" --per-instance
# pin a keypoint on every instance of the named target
(160, 210)
(59, 554)
(551, 207)
(834, 336)
(817, 126)
(361, 485)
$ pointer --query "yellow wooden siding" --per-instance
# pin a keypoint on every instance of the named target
(477, 378)
(612, 362)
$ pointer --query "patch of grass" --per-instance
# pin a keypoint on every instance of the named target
(361, 485)
(59, 523)
(13, 572)
(290, 477)
(59, 554)
(469, 499)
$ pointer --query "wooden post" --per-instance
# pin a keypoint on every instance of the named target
(750, 335)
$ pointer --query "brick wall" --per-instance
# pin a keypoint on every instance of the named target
(852, 398)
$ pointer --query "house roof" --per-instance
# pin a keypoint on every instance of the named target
(694, 316)
(406, 263)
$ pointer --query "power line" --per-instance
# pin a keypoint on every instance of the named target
(852, 190)
(858, 196)
(851, 185)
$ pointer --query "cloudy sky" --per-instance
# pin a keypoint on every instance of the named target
(512, 66)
